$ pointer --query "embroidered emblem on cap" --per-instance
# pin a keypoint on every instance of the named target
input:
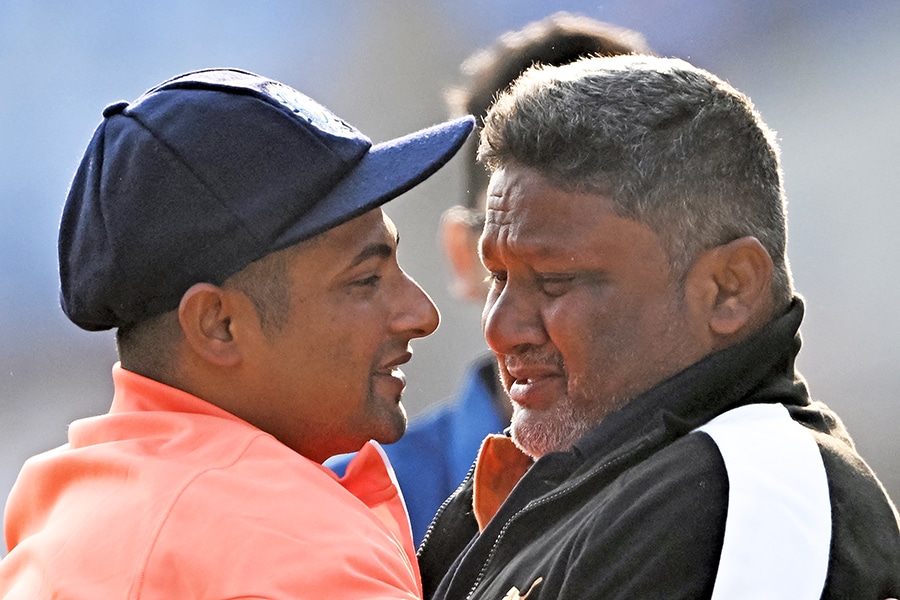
(307, 108)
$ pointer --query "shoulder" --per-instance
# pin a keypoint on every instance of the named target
(674, 502)
(796, 489)
(603, 533)
(865, 544)
(662, 519)
(270, 482)
(269, 511)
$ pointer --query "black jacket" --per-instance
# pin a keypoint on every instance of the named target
(638, 508)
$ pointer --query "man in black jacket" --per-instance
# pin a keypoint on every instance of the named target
(643, 316)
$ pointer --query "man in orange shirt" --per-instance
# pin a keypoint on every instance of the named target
(230, 229)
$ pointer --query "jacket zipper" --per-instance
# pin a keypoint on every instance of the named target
(444, 505)
(540, 502)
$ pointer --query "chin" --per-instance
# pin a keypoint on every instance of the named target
(555, 429)
(384, 418)
(393, 429)
(535, 437)
(389, 436)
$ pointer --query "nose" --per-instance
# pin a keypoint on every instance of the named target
(417, 314)
(511, 320)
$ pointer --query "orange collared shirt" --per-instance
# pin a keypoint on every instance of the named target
(168, 496)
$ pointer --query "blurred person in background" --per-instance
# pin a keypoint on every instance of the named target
(229, 228)
(645, 324)
(439, 447)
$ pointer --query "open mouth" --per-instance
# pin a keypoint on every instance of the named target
(391, 372)
(531, 374)
(397, 361)
(536, 389)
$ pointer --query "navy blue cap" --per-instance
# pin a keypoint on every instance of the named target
(210, 171)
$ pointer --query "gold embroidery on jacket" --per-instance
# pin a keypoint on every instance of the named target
(515, 594)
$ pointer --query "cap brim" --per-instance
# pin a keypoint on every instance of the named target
(386, 171)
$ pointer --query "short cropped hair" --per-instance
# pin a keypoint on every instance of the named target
(555, 40)
(673, 146)
(266, 282)
(146, 347)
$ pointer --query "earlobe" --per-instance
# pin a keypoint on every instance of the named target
(459, 243)
(742, 275)
(205, 314)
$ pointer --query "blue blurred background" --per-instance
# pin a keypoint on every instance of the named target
(825, 75)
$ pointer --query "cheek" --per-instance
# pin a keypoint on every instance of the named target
(322, 349)
(354, 337)
(594, 333)
(572, 327)
(581, 313)
(346, 354)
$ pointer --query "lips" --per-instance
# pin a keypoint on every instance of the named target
(534, 385)
(527, 368)
(390, 370)
(392, 365)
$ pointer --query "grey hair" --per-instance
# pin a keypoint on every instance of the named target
(672, 145)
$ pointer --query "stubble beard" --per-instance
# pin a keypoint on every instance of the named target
(584, 406)
(559, 427)
(556, 428)
(388, 413)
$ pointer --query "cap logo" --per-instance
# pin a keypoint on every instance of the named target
(308, 109)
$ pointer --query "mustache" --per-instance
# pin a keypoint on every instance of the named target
(534, 356)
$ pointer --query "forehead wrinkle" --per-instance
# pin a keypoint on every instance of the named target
(516, 224)
(508, 247)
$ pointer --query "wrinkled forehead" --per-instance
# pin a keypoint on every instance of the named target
(522, 201)
(525, 231)
(530, 218)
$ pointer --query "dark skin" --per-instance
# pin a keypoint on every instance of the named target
(584, 311)
(329, 379)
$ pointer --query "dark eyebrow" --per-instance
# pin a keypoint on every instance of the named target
(373, 251)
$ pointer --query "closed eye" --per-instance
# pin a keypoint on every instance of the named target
(496, 277)
(555, 284)
(372, 280)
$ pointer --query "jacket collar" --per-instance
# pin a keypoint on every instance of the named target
(759, 368)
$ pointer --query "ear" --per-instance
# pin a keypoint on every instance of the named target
(205, 313)
(460, 245)
(733, 284)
